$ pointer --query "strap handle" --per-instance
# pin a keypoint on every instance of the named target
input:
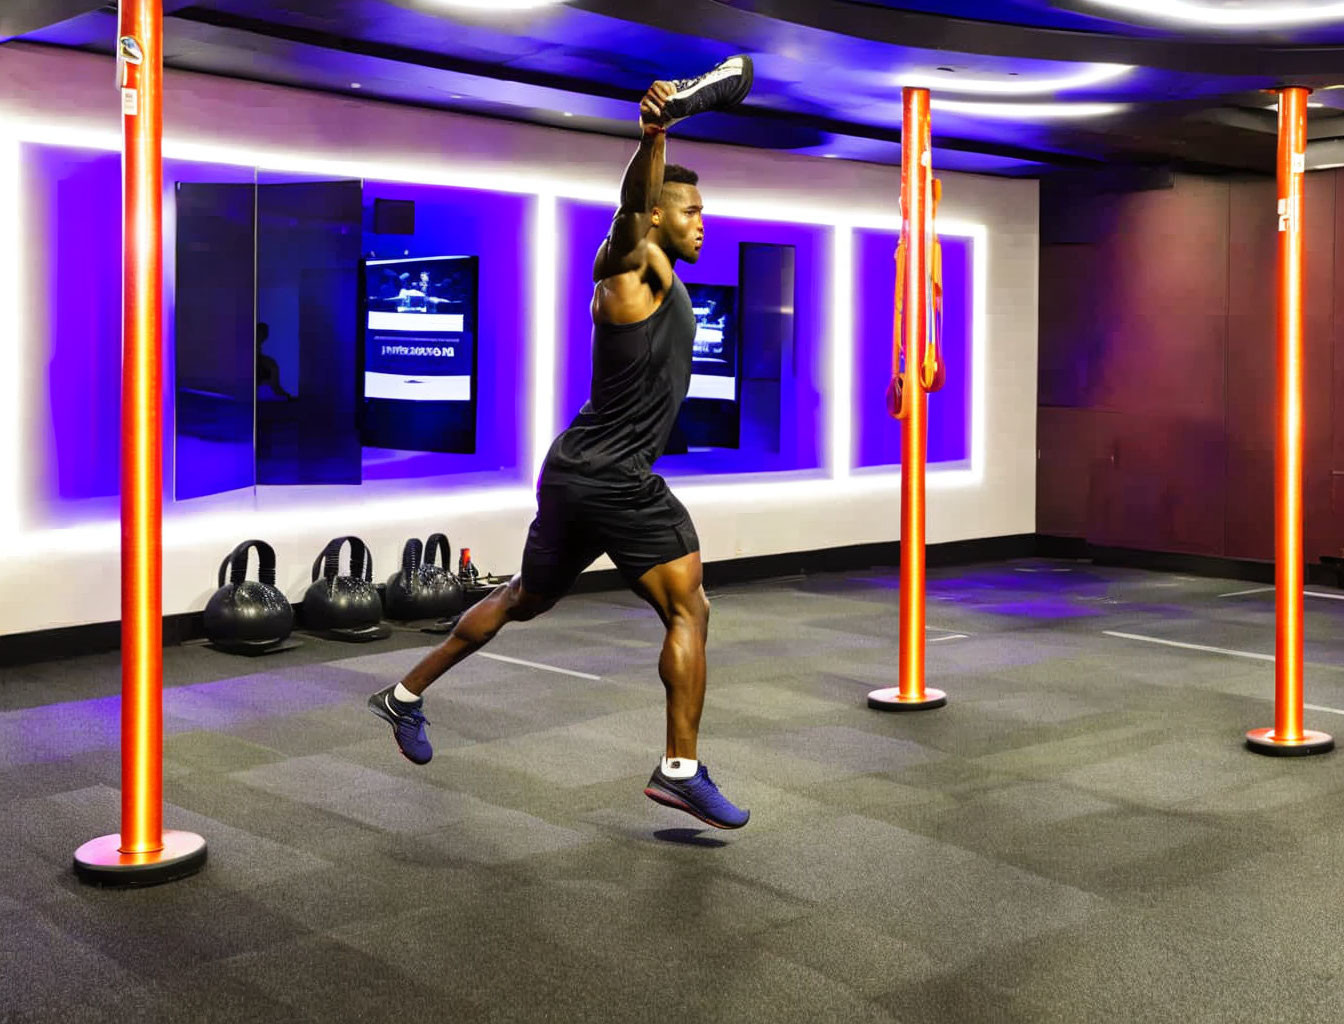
(328, 563)
(914, 373)
(439, 552)
(236, 563)
(411, 558)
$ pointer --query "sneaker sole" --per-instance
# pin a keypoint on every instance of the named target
(668, 800)
(386, 716)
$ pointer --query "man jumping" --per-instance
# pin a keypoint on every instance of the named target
(597, 492)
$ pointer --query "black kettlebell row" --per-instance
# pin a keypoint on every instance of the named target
(250, 616)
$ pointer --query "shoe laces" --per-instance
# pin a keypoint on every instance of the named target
(411, 717)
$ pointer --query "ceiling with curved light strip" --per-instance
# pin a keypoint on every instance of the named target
(1020, 87)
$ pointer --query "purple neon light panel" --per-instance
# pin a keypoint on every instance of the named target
(496, 227)
(582, 226)
(74, 284)
(877, 437)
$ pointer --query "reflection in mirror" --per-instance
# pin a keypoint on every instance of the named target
(306, 331)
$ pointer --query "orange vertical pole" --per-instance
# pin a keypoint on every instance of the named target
(1288, 737)
(142, 853)
(141, 433)
(916, 234)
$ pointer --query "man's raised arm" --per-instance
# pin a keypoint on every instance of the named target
(623, 249)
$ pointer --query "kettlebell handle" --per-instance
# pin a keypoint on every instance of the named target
(236, 563)
(439, 552)
(328, 563)
(410, 558)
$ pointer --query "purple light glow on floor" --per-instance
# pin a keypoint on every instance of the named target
(58, 732)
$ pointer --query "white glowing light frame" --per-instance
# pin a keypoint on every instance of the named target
(1221, 17)
(184, 527)
(1027, 111)
(1092, 74)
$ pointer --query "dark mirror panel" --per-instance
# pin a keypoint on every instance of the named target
(214, 346)
(768, 332)
(308, 250)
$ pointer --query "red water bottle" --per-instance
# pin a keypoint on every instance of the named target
(466, 569)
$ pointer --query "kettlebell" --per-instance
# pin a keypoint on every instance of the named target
(248, 616)
(344, 607)
(438, 576)
(421, 589)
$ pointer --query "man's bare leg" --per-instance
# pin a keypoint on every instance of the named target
(400, 705)
(676, 591)
(476, 628)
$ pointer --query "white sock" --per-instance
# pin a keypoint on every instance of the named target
(680, 767)
(405, 696)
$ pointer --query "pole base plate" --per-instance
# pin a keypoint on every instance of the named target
(1263, 741)
(101, 862)
(890, 699)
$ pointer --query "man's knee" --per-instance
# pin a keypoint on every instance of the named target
(523, 605)
(691, 608)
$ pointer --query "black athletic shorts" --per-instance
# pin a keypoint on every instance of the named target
(638, 522)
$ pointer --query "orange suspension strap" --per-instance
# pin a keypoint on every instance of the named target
(932, 369)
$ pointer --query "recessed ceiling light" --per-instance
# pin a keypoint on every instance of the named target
(1091, 74)
(1197, 13)
(355, 85)
(1028, 111)
(568, 113)
(830, 156)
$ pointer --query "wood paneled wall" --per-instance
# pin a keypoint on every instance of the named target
(1158, 374)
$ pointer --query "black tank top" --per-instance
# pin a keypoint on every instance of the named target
(641, 373)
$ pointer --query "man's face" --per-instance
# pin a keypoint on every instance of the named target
(678, 217)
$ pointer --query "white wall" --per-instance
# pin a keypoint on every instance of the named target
(70, 576)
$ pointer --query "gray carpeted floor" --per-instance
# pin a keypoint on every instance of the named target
(1079, 836)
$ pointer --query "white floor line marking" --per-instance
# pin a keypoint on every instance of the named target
(1221, 650)
(1321, 707)
(1189, 647)
(1305, 593)
(954, 636)
(536, 664)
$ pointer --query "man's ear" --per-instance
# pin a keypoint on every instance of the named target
(657, 215)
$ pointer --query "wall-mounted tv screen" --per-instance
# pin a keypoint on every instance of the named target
(710, 416)
(714, 364)
(418, 378)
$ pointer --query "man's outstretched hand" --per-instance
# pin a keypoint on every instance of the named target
(651, 107)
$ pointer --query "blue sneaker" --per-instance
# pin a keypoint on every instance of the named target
(697, 796)
(408, 724)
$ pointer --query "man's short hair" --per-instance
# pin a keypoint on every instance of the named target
(675, 174)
